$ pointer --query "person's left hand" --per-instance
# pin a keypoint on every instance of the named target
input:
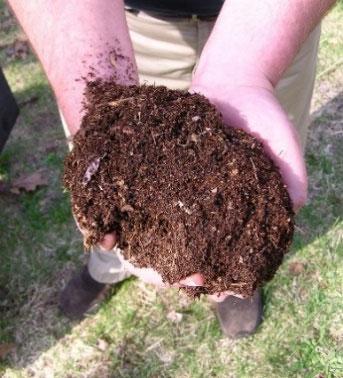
(253, 107)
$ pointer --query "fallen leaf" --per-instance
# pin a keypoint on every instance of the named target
(29, 182)
(296, 268)
(7, 24)
(18, 50)
(29, 101)
(5, 349)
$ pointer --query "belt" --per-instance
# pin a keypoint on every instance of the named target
(162, 15)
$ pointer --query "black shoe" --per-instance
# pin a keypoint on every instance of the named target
(80, 294)
(240, 317)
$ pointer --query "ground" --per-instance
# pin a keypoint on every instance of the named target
(140, 331)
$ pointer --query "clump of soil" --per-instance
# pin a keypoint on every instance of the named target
(184, 192)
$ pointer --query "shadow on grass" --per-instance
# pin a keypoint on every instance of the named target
(324, 156)
(36, 261)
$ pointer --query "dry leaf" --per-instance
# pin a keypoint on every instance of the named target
(8, 23)
(5, 349)
(18, 50)
(29, 101)
(296, 268)
(29, 182)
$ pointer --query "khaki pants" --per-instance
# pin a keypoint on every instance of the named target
(167, 51)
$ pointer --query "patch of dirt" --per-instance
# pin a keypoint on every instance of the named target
(30, 182)
(183, 192)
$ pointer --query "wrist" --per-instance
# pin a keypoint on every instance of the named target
(70, 95)
(219, 81)
(232, 94)
(257, 39)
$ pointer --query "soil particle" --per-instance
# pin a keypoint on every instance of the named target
(184, 192)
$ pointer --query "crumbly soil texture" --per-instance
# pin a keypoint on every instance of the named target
(184, 192)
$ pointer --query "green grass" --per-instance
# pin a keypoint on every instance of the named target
(130, 334)
(332, 42)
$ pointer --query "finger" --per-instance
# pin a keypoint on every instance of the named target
(108, 242)
(195, 279)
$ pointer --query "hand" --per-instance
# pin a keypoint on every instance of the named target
(256, 110)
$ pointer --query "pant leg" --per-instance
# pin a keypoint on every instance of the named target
(106, 267)
(295, 89)
(165, 49)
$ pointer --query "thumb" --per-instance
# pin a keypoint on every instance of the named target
(195, 279)
(108, 242)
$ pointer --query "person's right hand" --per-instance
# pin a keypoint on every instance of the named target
(253, 107)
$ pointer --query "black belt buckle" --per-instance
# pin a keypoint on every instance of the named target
(8, 110)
